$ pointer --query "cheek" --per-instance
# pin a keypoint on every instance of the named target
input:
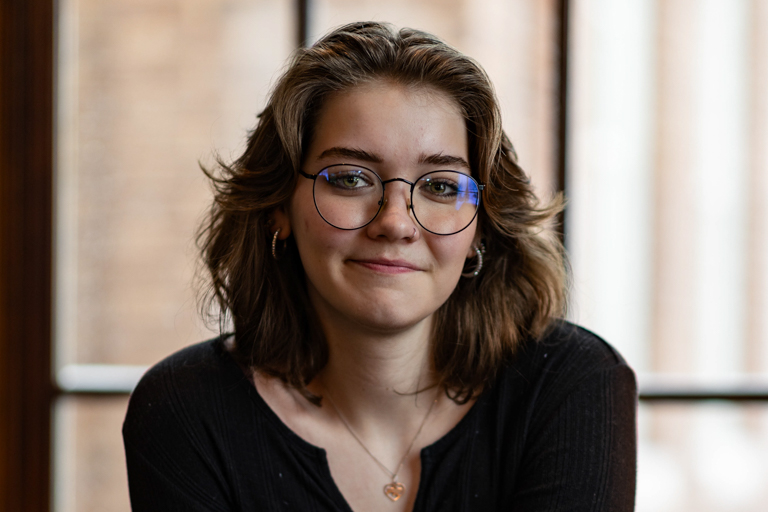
(316, 240)
(303, 216)
(452, 253)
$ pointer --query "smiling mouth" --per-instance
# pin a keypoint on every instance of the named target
(387, 266)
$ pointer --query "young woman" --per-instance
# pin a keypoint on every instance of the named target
(395, 298)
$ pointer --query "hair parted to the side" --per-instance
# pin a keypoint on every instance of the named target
(522, 285)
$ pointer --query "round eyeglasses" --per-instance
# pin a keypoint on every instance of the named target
(350, 197)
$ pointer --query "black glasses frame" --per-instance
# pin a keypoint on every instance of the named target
(313, 177)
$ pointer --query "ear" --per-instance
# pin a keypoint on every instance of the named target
(281, 221)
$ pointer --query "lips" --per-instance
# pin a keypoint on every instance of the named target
(387, 266)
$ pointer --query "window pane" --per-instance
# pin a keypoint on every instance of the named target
(706, 457)
(516, 43)
(89, 462)
(668, 182)
(147, 89)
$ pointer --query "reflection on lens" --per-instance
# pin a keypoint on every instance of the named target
(445, 202)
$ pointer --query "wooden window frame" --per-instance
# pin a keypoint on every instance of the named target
(26, 243)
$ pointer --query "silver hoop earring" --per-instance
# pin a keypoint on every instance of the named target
(479, 251)
(274, 244)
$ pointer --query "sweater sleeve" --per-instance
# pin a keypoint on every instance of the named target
(581, 454)
(157, 487)
(171, 456)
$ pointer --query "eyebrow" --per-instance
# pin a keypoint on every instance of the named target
(440, 159)
(357, 154)
(365, 156)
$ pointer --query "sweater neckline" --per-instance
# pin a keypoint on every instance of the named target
(439, 445)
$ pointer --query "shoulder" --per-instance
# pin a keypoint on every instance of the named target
(566, 347)
(184, 388)
(575, 346)
(187, 424)
(185, 371)
(569, 359)
(569, 402)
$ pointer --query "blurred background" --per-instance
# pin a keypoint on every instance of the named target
(651, 115)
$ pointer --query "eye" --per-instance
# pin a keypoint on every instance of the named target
(348, 181)
(439, 187)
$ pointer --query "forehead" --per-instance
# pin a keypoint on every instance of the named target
(423, 95)
(393, 120)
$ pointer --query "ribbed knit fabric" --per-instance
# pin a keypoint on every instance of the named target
(556, 432)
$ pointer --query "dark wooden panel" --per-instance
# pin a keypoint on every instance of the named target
(301, 17)
(26, 148)
(561, 108)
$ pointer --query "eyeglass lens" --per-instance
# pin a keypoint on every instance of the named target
(349, 197)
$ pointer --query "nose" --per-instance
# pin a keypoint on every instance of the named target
(395, 220)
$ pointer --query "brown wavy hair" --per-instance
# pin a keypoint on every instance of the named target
(522, 285)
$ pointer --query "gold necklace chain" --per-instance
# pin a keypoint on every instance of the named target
(393, 490)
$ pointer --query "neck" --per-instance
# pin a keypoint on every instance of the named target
(378, 378)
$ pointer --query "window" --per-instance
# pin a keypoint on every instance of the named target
(665, 228)
(145, 91)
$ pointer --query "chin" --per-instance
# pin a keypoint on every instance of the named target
(379, 309)
(392, 320)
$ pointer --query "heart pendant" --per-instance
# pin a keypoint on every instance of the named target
(394, 490)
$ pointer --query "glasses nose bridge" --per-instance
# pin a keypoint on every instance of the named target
(384, 190)
(384, 183)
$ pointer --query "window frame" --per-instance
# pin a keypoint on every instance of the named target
(26, 244)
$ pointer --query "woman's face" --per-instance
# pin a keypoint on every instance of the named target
(391, 274)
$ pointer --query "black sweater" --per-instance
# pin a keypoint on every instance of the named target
(556, 432)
